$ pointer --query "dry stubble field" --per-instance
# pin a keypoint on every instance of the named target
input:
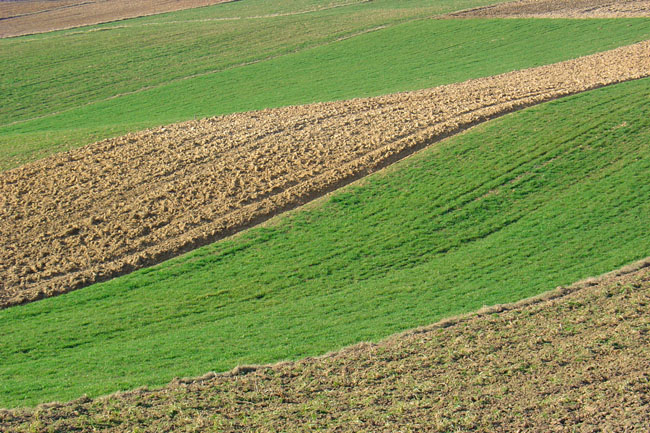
(23, 17)
(121, 204)
(560, 9)
(574, 359)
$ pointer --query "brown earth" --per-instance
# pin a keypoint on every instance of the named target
(576, 359)
(121, 204)
(560, 9)
(24, 17)
(13, 8)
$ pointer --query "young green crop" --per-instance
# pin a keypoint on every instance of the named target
(407, 56)
(512, 208)
(48, 73)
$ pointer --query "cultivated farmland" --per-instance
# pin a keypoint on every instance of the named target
(55, 99)
(502, 212)
(21, 17)
(188, 185)
(577, 356)
(547, 184)
(561, 9)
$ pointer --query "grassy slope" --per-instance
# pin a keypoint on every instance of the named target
(533, 200)
(387, 60)
(579, 361)
(58, 71)
(51, 72)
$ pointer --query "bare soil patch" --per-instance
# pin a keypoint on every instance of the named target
(23, 17)
(14, 8)
(574, 359)
(561, 9)
(121, 204)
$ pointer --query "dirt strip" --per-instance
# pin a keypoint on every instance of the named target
(121, 204)
(15, 8)
(560, 9)
(22, 17)
(576, 359)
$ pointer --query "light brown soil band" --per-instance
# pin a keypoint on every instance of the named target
(22, 17)
(560, 9)
(121, 204)
(574, 359)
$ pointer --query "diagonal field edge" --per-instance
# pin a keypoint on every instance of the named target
(543, 299)
(435, 114)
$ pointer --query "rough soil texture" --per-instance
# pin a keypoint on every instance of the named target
(576, 359)
(24, 17)
(121, 204)
(560, 9)
(13, 8)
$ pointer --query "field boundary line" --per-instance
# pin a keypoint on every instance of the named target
(410, 130)
(547, 297)
(91, 24)
(204, 20)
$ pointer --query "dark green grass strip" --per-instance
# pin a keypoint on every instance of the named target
(408, 56)
(512, 208)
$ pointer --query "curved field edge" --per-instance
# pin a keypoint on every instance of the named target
(140, 199)
(562, 358)
(180, 45)
(533, 200)
(389, 60)
(83, 13)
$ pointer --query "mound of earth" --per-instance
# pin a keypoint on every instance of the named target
(574, 359)
(561, 9)
(23, 17)
(121, 204)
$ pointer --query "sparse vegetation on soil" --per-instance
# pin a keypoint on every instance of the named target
(580, 362)
(27, 17)
(536, 199)
(560, 9)
(122, 204)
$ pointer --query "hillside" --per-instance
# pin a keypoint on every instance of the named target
(103, 84)
(560, 9)
(494, 215)
(143, 198)
(19, 17)
(278, 231)
(575, 359)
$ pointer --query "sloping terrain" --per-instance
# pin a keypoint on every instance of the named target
(13, 8)
(506, 210)
(561, 9)
(24, 17)
(121, 204)
(574, 359)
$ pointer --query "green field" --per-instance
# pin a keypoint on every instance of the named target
(512, 208)
(298, 59)
(50, 73)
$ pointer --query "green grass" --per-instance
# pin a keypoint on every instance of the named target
(512, 208)
(411, 55)
(47, 73)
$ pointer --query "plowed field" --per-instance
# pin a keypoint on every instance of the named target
(21, 17)
(15, 8)
(575, 359)
(561, 9)
(121, 204)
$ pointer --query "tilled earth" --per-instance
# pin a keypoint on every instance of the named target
(561, 9)
(576, 359)
(118, 205)
(24, 17)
